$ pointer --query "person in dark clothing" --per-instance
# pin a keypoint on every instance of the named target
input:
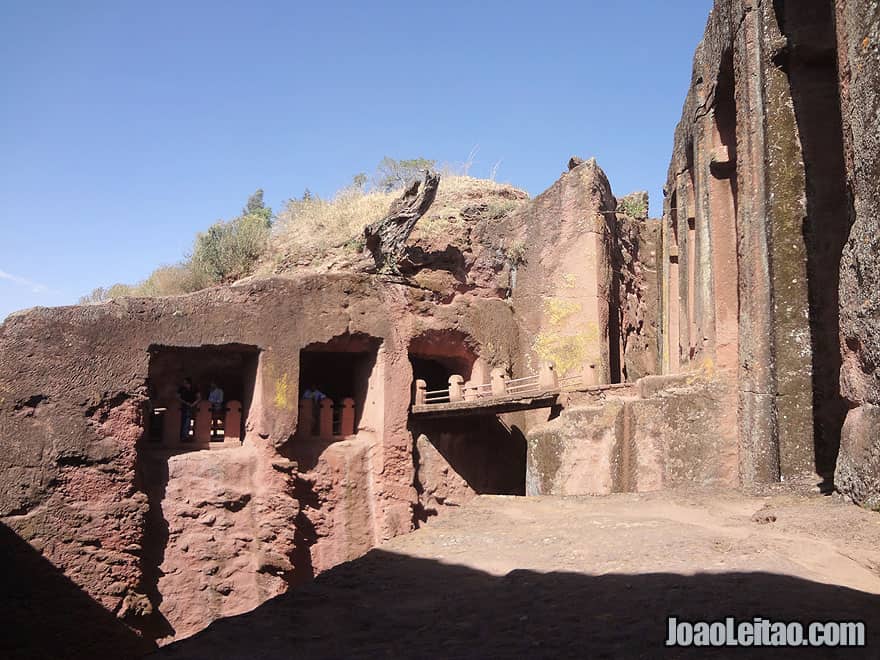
(189, 398)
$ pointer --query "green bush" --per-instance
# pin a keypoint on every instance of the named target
(227, 251)
(230, 250)
(393, 174)
(634, 205)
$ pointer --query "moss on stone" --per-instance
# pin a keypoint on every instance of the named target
(568, 352)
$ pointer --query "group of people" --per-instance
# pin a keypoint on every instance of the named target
(190, 397)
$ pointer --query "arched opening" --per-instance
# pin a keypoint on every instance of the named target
(436, 355)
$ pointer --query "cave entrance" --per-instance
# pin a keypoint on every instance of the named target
(344, 372)
(231, 367)
(435, 371)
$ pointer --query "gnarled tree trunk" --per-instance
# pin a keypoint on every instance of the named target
(386, 238)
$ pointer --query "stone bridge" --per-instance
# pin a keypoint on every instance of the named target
(502, 394)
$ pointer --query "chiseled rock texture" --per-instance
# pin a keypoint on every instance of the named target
(662, 434)
(229, 520)
(168, 542)
(635, 267)
(578, 453)
(769, 262)
(858, 465)
(337, 522)
(166, 539)
(564, 280)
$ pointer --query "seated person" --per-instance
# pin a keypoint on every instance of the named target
(314, 395)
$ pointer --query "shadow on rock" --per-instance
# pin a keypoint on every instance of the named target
(389, 605)
(45, 615)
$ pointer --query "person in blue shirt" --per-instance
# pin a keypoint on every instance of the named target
(314, 394)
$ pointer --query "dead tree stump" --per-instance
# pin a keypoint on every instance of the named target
(386, 238)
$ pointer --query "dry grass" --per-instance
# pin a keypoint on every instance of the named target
(170, 280)
(457, 193)
(324, 233)
(308, 230)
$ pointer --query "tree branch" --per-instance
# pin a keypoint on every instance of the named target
(386, 238)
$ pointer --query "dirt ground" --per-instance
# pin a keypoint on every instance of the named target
(512, 577)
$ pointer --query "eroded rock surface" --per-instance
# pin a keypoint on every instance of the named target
(585, 577)
(858, 465)
(169, 542)
(858, 468)
(222, 533)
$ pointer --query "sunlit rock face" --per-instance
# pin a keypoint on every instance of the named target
(734, 342)
(858, 467)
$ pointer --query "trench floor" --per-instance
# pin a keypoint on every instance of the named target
(509, 577)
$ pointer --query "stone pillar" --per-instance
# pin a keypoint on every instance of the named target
(470, 391)
(171, 424)
(203, 422)
(499, 382)
(758, 423)
(480, 372)
(674, 327)
(547, 378)
(325, 420)
(590, 376)
(347, 419)
(455, 388)
(306, 421)
(232, 423)
(421, 389)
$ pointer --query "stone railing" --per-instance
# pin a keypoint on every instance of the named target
(332, 421)
(208, 425)
(499, 386)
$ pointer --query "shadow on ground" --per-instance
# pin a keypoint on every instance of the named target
(395, 606)
(45, 615)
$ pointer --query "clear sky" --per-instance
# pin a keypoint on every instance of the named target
(126, 127)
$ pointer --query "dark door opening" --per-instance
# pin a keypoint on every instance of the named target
(341, 369)
(434, 372)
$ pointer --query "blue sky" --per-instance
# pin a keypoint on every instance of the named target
(126, 127)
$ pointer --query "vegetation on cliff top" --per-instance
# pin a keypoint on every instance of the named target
(311, 231)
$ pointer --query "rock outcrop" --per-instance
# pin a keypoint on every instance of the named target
(99, 477)
(858, 465)
(171, 541)
(661, 433)
(768, 260)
